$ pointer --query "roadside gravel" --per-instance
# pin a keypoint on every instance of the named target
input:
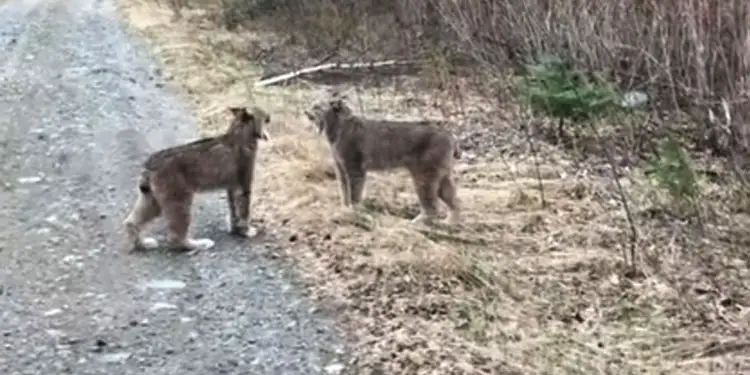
(81, 105)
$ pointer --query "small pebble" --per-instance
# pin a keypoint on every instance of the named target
(29, 180)
(334, 369)
(165, 284)
(115, 357)
(52, 312)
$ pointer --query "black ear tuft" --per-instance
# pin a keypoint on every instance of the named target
(336, 105)
(247, 117)
(309, 116)
(236, 111)
(241, 113)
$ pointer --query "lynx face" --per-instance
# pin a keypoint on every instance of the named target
(249, 124)
(327, 116)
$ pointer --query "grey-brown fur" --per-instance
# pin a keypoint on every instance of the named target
(359, 145)
(172, 176)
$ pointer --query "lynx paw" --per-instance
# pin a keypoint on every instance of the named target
(243, 229)
(352, 211)
(231, 223)
(149, 243)
(453, 218)
(144, 244)
(422, 219)
(251, 232)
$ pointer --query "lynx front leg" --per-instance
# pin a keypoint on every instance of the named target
(177, 213)
(241, 195)
(241, 213)
(344, 187)
(233, 218)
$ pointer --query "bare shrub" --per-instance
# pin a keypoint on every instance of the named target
(328, 27)
(686, 53)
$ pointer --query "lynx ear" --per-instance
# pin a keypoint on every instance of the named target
(241, 113)
(336, 105)
(310, 116)
(236, 111)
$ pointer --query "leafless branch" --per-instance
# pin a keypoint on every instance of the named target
(329, 66)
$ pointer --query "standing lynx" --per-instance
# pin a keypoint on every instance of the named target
(172, 176)
(359, 145)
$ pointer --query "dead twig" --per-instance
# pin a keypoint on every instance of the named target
(534, 154)
(623, 198)
(329, 66)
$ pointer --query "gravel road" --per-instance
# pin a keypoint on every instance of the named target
(81, 105)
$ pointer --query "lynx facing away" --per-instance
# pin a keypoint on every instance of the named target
(359, 145)
(171, 177)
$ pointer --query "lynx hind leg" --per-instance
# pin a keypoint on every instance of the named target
(426, 185)
(145, 210)
(239, 206)
(447, 193)
(177, 212)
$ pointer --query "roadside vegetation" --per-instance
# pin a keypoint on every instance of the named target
(604, 179)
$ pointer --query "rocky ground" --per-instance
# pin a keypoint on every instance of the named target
(81, 106)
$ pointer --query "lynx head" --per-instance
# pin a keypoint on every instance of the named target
(249, 125)
(326, 116)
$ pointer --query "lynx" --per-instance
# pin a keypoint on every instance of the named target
(171, 177)
(360, 144)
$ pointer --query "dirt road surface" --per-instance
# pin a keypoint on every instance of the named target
(81, 105)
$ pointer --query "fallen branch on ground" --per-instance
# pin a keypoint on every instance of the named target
(323, 67)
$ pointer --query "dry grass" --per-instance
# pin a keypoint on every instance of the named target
(517, 289)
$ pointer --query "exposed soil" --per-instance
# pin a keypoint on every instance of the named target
(82, 105)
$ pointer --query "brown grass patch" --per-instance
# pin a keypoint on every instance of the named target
(516, 289)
